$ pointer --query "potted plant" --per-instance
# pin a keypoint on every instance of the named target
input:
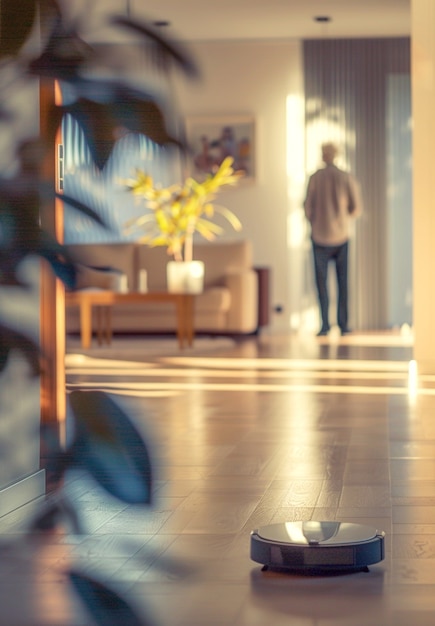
(174, 214)
(103, 440)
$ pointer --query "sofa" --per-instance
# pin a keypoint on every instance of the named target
(229, 303)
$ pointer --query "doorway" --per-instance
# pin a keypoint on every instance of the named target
(357, 94)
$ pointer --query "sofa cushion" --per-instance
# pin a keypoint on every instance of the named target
(219, 260)
(229, 302)
(89, 277)
(154, 261)
(118, 257)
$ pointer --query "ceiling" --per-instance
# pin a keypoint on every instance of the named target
(198, 20)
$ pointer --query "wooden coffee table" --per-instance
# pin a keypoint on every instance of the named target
(103, 300)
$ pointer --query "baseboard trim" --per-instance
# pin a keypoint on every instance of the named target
(22, 492)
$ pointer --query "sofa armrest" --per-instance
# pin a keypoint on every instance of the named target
(243, 312)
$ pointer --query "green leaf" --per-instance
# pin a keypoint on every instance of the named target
(55, 512)
(64, 53)
(121, 108)
(16, 21)
(110, 447)
(13, 340)
(106, 606)
(82, 208)
(167, 50)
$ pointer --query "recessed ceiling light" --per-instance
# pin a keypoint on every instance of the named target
(322, 18)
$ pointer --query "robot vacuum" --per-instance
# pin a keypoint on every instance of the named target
(325, 546)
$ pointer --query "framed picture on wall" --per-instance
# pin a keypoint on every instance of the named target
(213, 138)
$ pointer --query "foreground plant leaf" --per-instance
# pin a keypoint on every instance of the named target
(103, 122)
(21, 234)
(64, 54)
(166, 50)
(16, 21)
(105, 606)
(43, 246)
(109, 446)
(82, 208)
(53, 513)
(13, 340)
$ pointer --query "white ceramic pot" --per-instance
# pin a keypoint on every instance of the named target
(185, 276)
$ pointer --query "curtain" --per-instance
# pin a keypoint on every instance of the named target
(348, 101)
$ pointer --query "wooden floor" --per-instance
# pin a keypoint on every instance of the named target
(245, 434)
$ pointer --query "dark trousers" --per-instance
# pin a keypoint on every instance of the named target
(322, 256)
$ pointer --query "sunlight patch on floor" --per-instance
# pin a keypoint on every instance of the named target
(235, 373)
(246, 387)
(160, 375)
(290, 364)
(81, 360)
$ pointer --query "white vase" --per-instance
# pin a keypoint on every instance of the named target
(185, 276)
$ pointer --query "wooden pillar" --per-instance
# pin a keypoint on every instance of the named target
(423, 107)
(52, 299)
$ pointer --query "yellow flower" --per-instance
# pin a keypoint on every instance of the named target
(175, 213)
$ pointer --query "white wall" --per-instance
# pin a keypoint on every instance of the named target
(264, 80)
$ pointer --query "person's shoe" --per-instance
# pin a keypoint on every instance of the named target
(322, 332)
(345, 331)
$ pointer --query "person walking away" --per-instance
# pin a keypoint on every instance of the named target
(332, 201)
